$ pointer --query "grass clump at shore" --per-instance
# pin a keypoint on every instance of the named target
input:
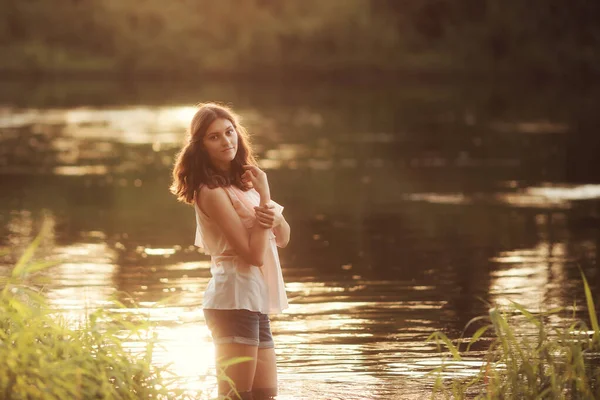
(552, 363)
(43, 356)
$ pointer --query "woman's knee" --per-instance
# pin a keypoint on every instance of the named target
(266, 369)
(237, 364)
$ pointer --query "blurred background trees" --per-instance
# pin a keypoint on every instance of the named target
(187, 37)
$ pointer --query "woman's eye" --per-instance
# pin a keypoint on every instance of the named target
(230, 132)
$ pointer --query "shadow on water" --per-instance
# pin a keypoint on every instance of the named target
(411, 207)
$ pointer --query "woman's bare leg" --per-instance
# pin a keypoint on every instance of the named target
(242, 374)
(265, 379)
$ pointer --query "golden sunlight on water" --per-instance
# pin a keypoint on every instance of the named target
(574, 192)
(352, 331)
(337, 333)
(102, 141)
(79, 170)
(84, 277)
(532, 278)
(132, 125)
(554, 197)
(189, 351)
(329, 345)
(137, 125)
(526, 276)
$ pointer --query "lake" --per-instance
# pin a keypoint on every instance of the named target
(412, 205)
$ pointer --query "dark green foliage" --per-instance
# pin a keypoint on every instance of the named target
(552, 37)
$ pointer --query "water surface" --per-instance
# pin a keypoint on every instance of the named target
(411, 208)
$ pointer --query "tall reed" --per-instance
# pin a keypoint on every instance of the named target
(43, 356)
(553, 363)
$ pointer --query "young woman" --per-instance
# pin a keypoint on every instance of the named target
(240, 227)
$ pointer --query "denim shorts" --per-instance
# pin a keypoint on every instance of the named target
(239, 326)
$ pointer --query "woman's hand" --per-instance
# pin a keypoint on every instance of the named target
(258, 179)
(267, 217)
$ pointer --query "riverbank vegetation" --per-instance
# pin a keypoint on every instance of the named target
(44, 355)
(530, 357)
(192, 38)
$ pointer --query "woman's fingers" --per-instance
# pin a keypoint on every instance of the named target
(265, 212)
(253, 170)
(267, 220)
(265, 208)
(265, 224)
(263, 218)
(250, 177)
(259, 180)
(247, 176)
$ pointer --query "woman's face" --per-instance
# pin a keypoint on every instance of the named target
(221, 143)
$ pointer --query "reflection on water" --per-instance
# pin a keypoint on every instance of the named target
(410, 210)
(531, 274)
(132, 125)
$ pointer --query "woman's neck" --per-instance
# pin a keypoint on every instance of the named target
(222, 167)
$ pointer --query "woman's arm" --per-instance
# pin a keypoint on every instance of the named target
(269, 219)
(282, 233)
(250, 245)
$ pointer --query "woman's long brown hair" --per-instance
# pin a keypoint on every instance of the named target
(193, 167)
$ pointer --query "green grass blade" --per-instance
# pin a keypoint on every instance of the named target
(439, 336)
(478, 334)
(233, 361)
(530, 317)
(473, 320)
(39, 266)
(555, 310)
(591, 310)
(20, 268)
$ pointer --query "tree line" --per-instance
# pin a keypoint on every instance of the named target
(188, 37)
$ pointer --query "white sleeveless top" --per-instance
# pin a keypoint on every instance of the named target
(235, 284)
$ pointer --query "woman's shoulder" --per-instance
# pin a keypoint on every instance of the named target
(219, 195)
(215, 193)
(211, 199)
